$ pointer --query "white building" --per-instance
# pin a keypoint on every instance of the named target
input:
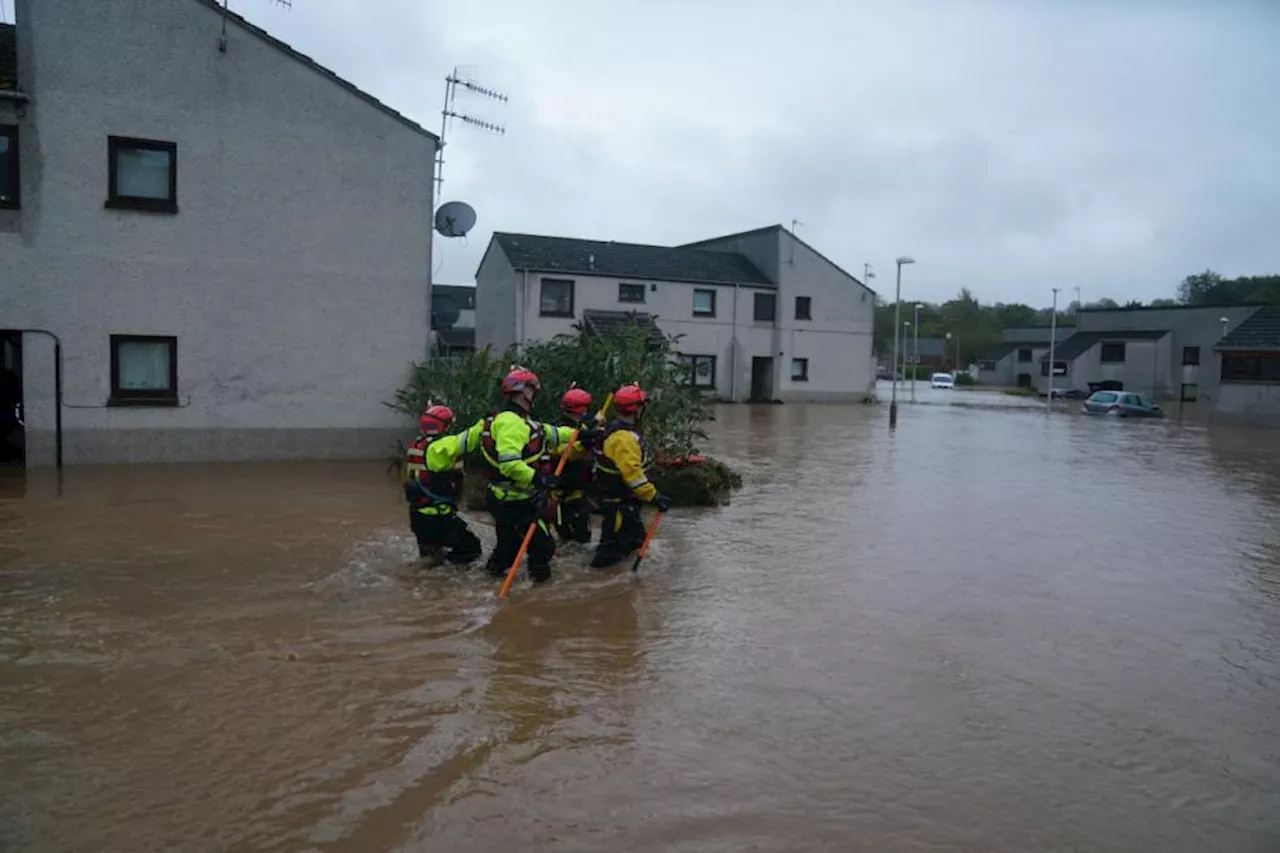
(764, 316)
(232, 243)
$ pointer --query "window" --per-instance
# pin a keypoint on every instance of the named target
(556, 298)
(1190, 392)
(631, 293)
(1251, 367)
(803, 306)
(1112, 354)
(799, 370)
(1059, 368)
(986, 365)
(1024, 354)
(144, 370)
(10, 197)
(766, 305)
(142, 174)
(1191, 355)
(702, 370)
(704, 303)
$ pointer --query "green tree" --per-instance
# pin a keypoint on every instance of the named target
(1196, 289)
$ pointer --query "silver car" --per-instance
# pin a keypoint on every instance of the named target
(1121, 404)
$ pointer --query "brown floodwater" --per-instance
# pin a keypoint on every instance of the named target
(991, 631)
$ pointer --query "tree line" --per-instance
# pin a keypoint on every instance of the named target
(979, 326)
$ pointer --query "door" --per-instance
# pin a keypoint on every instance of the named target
(12, 446)
(761, 379)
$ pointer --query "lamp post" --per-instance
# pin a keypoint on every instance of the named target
(956, 367)
(1225, 321)
(915, 359)
(1053, 339)
(906, 326)
(897, 321)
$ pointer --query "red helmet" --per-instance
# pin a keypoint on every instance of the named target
(435, 420)
(575, 402)
(518, 380)
(628, 399)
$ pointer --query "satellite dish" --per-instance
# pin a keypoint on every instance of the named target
(444, 311)
(455, 219)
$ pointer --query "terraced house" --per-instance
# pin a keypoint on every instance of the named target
(231, 243)
(763, 316)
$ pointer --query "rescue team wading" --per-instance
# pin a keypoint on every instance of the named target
(521, 455)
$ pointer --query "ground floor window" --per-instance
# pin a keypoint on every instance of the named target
(799, 370)
(1251, 367)
(144, 370)
(986, 365)
(702, 370)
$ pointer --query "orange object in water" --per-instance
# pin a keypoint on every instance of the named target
(648, 537)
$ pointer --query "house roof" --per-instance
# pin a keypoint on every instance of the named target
(464, 296)
(8, 56)
(781, 229)
(571, 256)
(317, 67)
(1081, 342)
(1003, 348)
(1259, 331)
(609, 323)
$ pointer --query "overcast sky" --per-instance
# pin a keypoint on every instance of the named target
(1008, 146)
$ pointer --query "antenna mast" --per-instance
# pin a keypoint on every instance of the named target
(222, 39)
(452, 82)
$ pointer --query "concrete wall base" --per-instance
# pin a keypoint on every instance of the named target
(143, 446)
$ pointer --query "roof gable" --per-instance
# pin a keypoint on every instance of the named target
(1081, 342)
(781, 230)
(1259, 331)
(317, 67)
(571, 256)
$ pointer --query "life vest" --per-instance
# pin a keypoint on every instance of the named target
(576, 472)
(430, 487)
(531, 454)
(607, 476)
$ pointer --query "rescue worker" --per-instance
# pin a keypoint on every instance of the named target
(433, 482)
(621, 460)
(572, 516)
(513, 443)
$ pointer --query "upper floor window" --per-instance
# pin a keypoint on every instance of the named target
(704, 303)
(631, 293)
(142, 174)
(10, 197)
(1191, 356)
(556, 299)
(1024, 354)
(1112, 354)
(803, 308)
(765, 307)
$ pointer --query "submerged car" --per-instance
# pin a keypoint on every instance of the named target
(1121, 404)
(942, 380)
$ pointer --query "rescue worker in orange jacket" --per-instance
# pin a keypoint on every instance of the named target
(572, 516)
(432, 488)
(513, 444)
(621, 461)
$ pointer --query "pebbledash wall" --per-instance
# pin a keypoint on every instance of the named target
(294, 274)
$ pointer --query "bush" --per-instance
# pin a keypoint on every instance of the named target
(673, 420)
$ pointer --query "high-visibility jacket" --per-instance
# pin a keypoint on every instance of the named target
(621, 463)
(577, 468)
(433, 473)
(513, 444)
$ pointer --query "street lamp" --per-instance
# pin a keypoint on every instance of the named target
(1225, 321)
(915, 361)
(1053, 339)
(906, 325)
(956, 368)
(897, 320)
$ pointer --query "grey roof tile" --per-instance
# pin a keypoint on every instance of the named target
(570, 256)
(1259, 331)
(1081, 342)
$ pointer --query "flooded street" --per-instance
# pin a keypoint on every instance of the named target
(990, 631)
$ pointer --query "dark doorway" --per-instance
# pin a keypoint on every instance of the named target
(1024, 380)
(761, 379)
(12, 432)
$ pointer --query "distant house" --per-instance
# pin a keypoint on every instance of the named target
(930, 352)
(1250, 373)
(453, 318)
(1015, 360)
(1168, 352)
(763, 315)
(231, 242)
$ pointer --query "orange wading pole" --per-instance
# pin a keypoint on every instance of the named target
(528, 534)
(648, 537)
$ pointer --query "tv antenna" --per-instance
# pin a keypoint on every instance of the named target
(452, 82)
(226, 12)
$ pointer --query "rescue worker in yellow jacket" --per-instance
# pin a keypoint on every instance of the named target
(513, 444)
(433, 482)
(621, 461)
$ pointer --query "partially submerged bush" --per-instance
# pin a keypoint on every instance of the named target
(470, 383)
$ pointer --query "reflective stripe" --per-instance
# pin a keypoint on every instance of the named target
(435, 510)
(509, 457)
(635, 484)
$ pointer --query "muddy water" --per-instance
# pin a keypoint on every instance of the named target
(991, 631)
